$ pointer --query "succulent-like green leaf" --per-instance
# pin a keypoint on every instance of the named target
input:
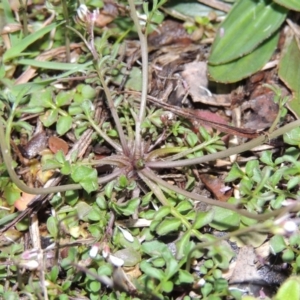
(290, 4)
(248, 24)
(246, 65)
(289, 73)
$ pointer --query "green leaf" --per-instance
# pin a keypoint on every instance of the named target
(183, 246)
(162, 213)
(247, 25)
(51, 65)
(289, 73)
(267, 158)
(83, 210)
(184, 206)
(52, 226)
(150, 271)
(288, 255)
(185, 277)
(290, 4)
(244, 66)
(234, 173)
(154, 248)
(88, 92)
(203, 218)
(127, 208)
(60, 157)
(192, 139)
(95, 286)
(54, 273)
(87, 177)
(290, 289)
(292, 137)
(172, 265)
(167, 286)
(50, 117)
(251, 167)
(64, 124)
(277, 244)
(46, 97)
(225, 219)
(18, 48)
(167, 226)
(109, 188)
(63, 98)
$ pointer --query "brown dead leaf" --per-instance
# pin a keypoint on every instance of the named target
(56, 144)
(216, 186)
(168, 33)
(263, 111)
(195, 75)
(21, 203)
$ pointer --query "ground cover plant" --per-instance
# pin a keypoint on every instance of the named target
(107, 161)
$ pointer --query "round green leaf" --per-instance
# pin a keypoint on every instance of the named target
(290, 289)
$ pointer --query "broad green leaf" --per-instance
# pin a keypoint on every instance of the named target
(290, 289)
(184, 206)
(290, 4)
(248, 24)
(64, 124)
(167, 226)
(203, 218)
(225, 219)
(162, 212)
(167, 286)
(292, 137)
(83, 210)
(288, 255)
(16, 50)
(94, 286)
(185, 277)
(245, 66)
(234, 173)
(150, 271)
(127, 208)
(154, 248)
(277, 244)
(191, 8)
(63, 98)
(289, 73)
(130, 256)
(50, 117)
(87, 177)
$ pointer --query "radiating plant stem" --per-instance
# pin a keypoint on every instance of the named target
(225, 153)
(144, 53)
(151, 175)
